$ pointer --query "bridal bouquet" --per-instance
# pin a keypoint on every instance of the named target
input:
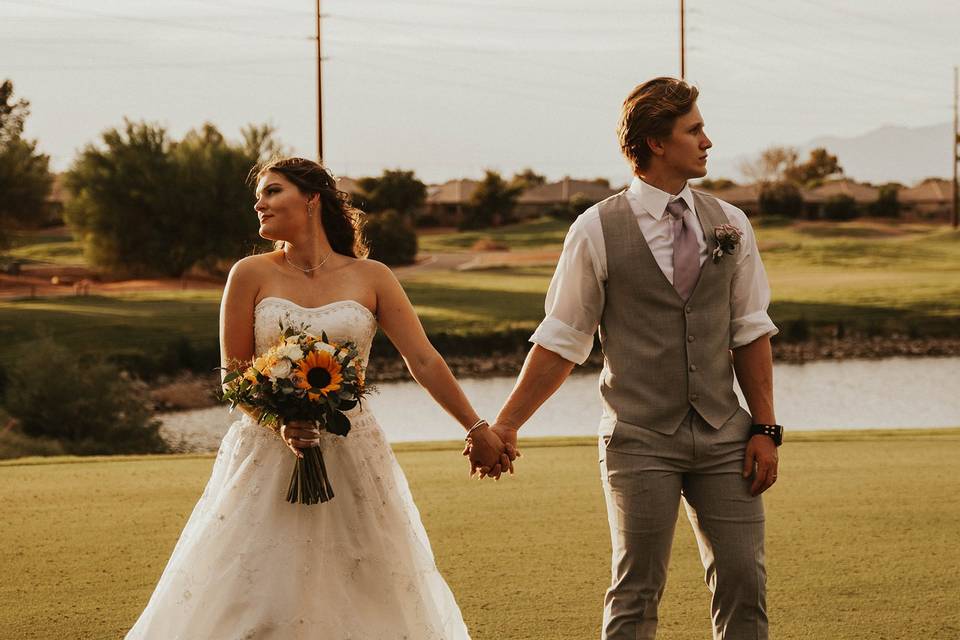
(302, 377)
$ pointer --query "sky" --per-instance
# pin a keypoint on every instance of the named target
(449, 88)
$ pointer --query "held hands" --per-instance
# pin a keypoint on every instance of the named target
(762, 454)
(300, 434)
(491, 451)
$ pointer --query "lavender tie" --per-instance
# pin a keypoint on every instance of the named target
(686, 252)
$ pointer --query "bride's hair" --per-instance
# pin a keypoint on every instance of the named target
(342, 222)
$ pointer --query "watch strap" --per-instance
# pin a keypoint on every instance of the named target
(775, 431)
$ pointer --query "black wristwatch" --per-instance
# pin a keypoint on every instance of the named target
(775, 431)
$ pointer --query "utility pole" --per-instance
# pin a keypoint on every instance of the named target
(319, 92)
(955, 156)
(683, 42)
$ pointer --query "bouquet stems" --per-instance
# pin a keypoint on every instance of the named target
(309, 483)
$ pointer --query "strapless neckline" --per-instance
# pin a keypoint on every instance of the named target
(323, 306)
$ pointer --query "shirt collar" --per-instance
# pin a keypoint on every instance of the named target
(654, 201)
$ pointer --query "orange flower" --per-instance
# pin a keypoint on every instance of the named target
(361, 377)
(319, 370)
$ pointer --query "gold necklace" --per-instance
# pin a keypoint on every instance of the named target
(299, 268)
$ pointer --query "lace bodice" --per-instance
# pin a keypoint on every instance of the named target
(341, 320)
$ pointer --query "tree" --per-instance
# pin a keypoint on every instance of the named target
(217, 207)
(818, 167)
(25, 177)
(840, 207)
(80, 402)
(491, 204)
(391, 237)
(570, 210)
(395, 190)
(887, 204)
(716, 184)
(148, 205)
(773, 164)
(781, 198)
(527, 179)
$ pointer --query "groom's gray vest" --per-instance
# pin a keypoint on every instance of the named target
(662, 354)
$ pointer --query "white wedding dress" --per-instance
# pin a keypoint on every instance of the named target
(249, 565)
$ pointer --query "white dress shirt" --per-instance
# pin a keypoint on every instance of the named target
(576, 295)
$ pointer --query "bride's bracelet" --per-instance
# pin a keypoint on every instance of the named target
(479, 423)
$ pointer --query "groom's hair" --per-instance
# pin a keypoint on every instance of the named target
(649, 112)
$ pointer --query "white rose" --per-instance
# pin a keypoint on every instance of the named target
(323, 346)
(280, 370)
(291, 351)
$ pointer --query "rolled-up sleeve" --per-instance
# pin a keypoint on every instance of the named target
(575, 299)
(750, 290)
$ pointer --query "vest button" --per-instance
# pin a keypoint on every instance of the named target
(689, 309)
(694, 397)
(690, 338)
(693, 367)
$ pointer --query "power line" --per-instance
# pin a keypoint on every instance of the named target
(846, 35)
(869, 17)
(498, 90)
(473, 27)
(157, 22)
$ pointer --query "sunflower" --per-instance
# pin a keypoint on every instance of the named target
(319, 370)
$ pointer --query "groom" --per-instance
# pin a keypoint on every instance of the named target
(673, 292)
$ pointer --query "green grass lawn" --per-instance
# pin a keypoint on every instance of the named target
(148, 325)
(539, 233)
(861, 540)
(874, 278)
(53, 248)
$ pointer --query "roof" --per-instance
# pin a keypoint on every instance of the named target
(736, 195)
(930, 190)
(562, 191)
(451, 192)
(348, 185)
(861, 193)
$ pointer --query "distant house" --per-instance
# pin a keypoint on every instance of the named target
(742, 196)
(931, 199)
(445, 202)
(348, 185)
(814, 199)
(549, 198)
(55, 202)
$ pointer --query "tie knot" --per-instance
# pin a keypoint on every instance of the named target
(677, 208)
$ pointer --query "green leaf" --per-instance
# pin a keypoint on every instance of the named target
(339, 424)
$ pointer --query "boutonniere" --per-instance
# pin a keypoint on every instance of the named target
(728, 239)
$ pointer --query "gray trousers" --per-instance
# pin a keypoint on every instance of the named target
(644, 475)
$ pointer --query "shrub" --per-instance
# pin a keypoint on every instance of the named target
(840, 207)
(887, 204)
(772, 221)
(577, 204)
(14, 444)
(491, 204)
(798, 330)
(88, 406)
(781, 198)
(392, 239)
(146, 204)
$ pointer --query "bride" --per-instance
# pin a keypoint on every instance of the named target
(250, 565)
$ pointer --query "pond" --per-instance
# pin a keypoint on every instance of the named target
(851, 394)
